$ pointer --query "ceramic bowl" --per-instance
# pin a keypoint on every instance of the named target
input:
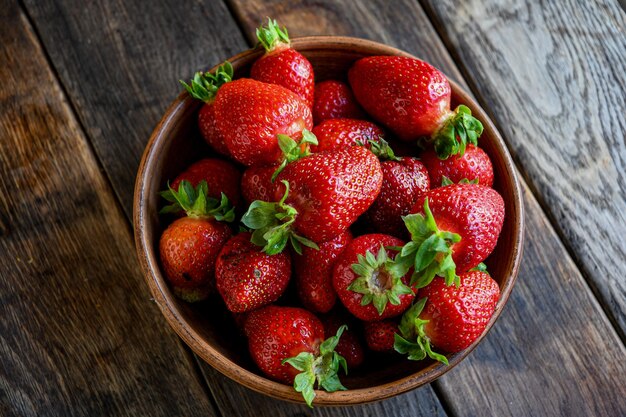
(208, 329)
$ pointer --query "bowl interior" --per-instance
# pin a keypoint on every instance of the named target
(208, 328)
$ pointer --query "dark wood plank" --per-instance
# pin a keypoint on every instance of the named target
(553, 75)
(124, 63)
(79, 334)
(534, 359)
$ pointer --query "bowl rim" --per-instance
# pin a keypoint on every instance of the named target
(167, 304)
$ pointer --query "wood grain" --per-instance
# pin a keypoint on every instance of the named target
(124, 63)
(553, 75)
(79, 334)
(534, 358)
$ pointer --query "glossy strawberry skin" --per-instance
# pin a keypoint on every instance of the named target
(188, 250)
(313, 272)
(458, 316)
(336, 134)
(256, 183)
(379, 335)
(334, 100)
(248, 278)
(343, 276)
(288, 68)
(475, 212)
(404, 181)
(409, 96)
(277, 333)
(474, 164)
(330, 190)
(209, 131)
(349, 345)
(249, 114)
(221, 177)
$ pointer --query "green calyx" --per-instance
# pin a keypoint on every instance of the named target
(429, 252)
(382, 150)
(204, 85)
(272, 225)
(196, 203)
(447, 181)
(378, 280)
(323, 369)
(456, 132)
(412, 340)
(292, 150)
(481, 267)
(271, 35)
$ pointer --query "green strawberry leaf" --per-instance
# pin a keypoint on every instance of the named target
(204, 86)
(429, 252)
(292, 150)
(271, 35)
(382, 150)
(459, 130)
(412, 340)
(196, 203)
(368, 269)
(324, 368)
(273, 225)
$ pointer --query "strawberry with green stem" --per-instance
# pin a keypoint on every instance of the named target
(450, 318)
(247, 278)
(189, 247)
(281, 64)
(204, 87)
(319, 197)
(453, 229)
(412, 98)
(288, 345)
(473, 165)
(367, 281)
(334, 134)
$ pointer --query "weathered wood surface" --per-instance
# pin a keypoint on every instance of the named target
(78, 332)
(533, 362)
(522, 368)
(553, 75)
(120, 62)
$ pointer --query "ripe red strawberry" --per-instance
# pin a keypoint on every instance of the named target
(474, 164)
(189, 247)
(349, 345)
(221, 177)
(367, 281)
(256, 183)
(454, 229)
(450, 318)
(314, 273)
(412, 98)
(288, 345)
(281, 64)
(204, 86)
(250, 114)
(379, 335)
(334, 100)
(335, 134)
(404, 181)
(248, 278)
(319, 197)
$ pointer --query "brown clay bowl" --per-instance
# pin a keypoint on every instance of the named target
(207, 328)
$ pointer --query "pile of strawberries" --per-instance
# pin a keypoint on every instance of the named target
(310, 190)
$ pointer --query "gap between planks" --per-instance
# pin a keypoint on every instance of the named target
(437, 26)
(191, 357)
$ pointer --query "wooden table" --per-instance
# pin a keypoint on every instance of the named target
(84, 83)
